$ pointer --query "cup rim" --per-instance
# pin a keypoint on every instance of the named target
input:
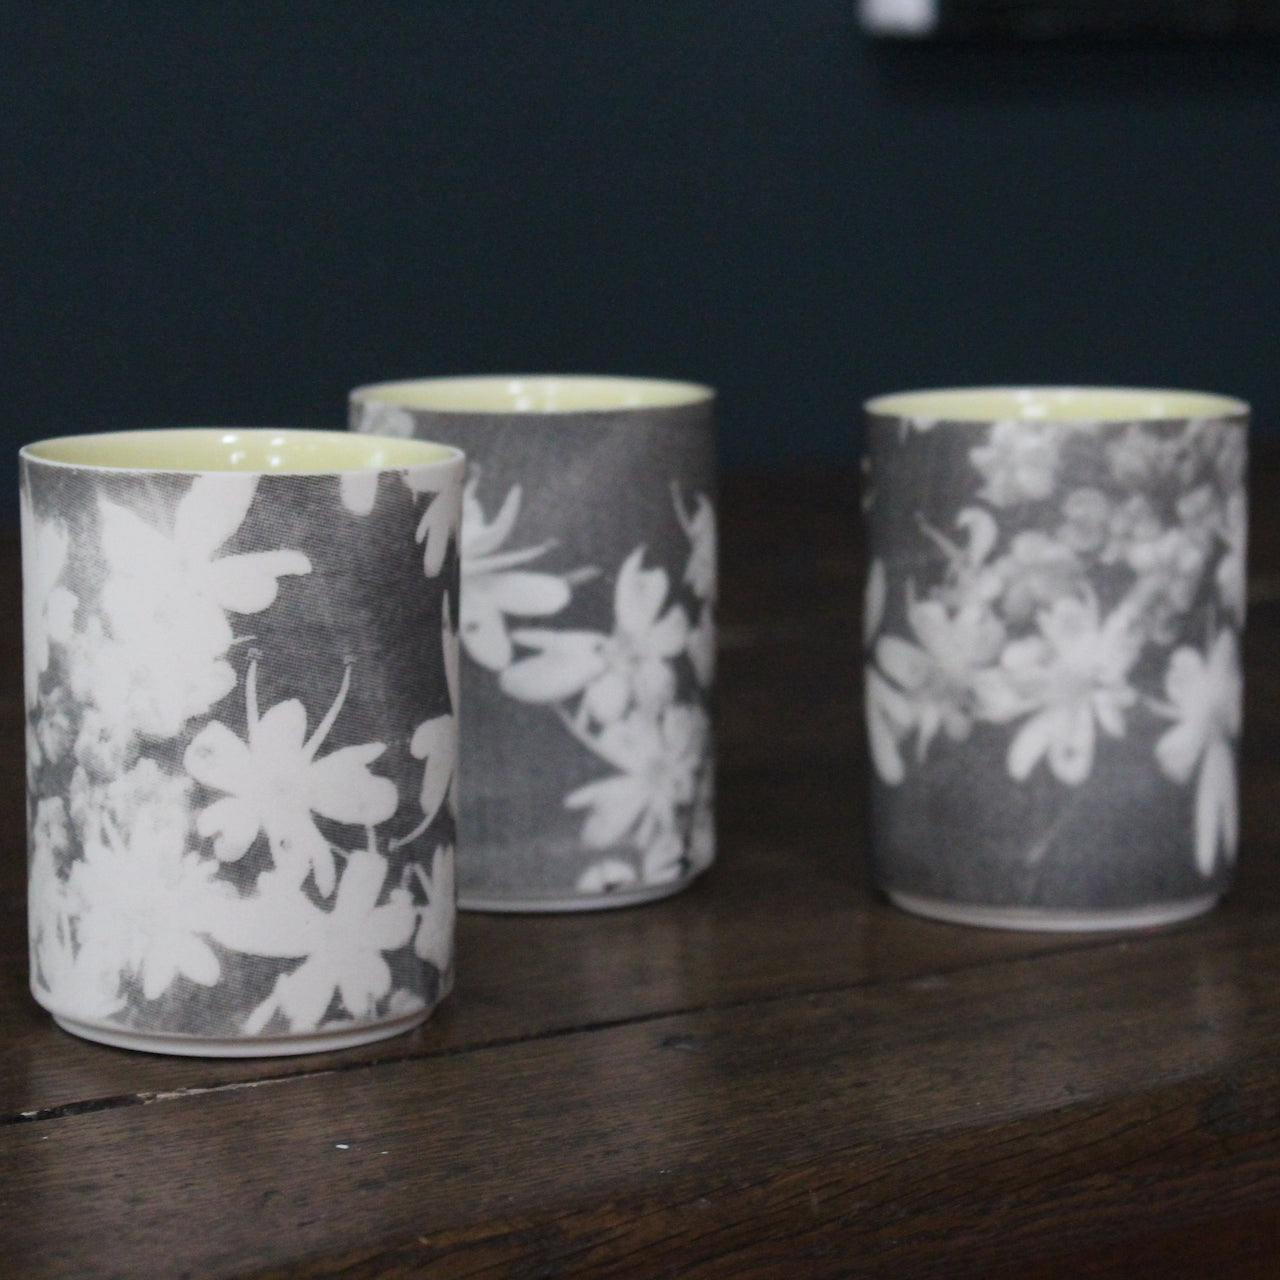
(319, 451)
(1055, 403)
(534, 394)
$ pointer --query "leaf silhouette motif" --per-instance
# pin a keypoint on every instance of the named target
(493, 586)
(1205, 694)
(1230, 577)
(434, 938)
(699, 524)
(358, 491)
(435, 741)
(438, 524)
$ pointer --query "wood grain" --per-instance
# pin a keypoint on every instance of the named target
(823, 1120)
(772, 1074)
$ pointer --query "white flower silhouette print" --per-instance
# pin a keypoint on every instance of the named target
(436, 529)
(890, 718)
(344, 950)
(48, 607)
(632, 667)
(205, 879)
(658, 761)
(151, 903)
(609, 875)
(274, 782)
(971, 579)
(159, 656)
(493, 585)
(631, 693)
(435, 743)
(1037, 571)
(1141, 459)
(359, 491)
(433, 939)
(142, 798)
(1061, 623)
(1072, 676)
(699, 524)
(935, 679)
(874, 594)
(1019, 462)
(700, 574)
(700, 647)
(174, 588)
(1205, 692)
(50, 934)
(1086, 520)
(150, 690)
(385, 420)
(1169, 571)
(1230, 575)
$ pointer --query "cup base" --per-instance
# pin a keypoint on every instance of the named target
(552, 905)
(256, 1047)
(1047, 920)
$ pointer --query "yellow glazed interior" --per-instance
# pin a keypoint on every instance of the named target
(284, 450)
(1058, 404)
(574, 393)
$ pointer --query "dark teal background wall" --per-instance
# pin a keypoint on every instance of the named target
(232, 212)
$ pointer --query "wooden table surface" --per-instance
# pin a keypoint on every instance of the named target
(772, 1074)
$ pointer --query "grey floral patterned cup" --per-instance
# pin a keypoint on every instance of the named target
(240, 693)
(588, 559)
(1054, 604)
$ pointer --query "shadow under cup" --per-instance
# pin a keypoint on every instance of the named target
(1054, 605)
(238, 717)
(588, 561)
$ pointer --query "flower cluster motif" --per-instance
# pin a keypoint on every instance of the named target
(1055, 595)
(634, 696)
